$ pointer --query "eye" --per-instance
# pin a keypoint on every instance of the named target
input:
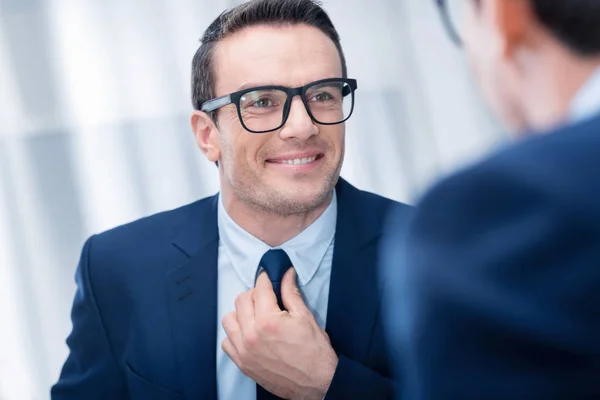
(261, 99)
(322, 96)
(263, 103)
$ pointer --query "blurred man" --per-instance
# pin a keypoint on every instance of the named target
(497, 287)
(271, 95)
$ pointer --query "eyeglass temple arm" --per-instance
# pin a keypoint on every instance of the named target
(215, 104)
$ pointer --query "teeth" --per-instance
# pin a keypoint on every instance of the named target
(299, 161)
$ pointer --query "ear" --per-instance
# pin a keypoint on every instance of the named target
(514, 21)
(207, 135)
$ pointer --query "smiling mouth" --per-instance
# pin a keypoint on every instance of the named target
(297, 161)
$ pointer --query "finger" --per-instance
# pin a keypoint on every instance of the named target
(265, 301)
(231, 351)
(232, 329)
(244, 305)
(263, 282)
(291, 296)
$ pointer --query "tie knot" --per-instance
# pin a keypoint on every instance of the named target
(275, 263)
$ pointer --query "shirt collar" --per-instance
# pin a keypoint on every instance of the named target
(306, 250)
(586, 103)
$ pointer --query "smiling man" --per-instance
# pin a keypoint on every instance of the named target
(269, 288)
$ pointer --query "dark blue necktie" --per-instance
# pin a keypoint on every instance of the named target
(275, 263)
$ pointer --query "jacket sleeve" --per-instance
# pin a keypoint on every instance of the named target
(353, 380)
(91, 370)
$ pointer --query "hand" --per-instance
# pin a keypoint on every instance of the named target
(286, 352)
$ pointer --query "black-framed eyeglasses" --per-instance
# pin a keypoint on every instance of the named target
(266, 108)
(452, 13)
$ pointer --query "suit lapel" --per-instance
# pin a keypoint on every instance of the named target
(192, 289)
(353, 296)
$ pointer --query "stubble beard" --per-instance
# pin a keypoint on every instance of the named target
(267, 200)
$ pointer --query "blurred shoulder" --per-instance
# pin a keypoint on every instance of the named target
(557, 167)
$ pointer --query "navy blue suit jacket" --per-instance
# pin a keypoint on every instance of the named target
(498, 279)
(145, 312)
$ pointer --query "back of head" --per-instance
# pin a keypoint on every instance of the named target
(576, 23)
(531, 57)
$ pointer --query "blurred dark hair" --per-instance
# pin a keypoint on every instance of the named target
(255, 12)
(574, 22)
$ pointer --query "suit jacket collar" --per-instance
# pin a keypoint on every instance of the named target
(354, 298)
(199, 227)
(361, 221)
(192, 289)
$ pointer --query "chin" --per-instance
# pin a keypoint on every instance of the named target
(299, 198)
(305, 193)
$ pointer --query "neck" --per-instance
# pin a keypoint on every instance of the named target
(271, 228)
(551, 86)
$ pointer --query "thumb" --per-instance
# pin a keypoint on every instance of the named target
(290, 294)
(265, 300)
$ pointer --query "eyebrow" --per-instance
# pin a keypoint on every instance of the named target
(251, 85)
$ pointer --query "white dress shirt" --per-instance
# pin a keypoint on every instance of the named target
(586, 103)
(311, 253)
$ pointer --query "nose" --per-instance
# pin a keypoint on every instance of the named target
(299, 124)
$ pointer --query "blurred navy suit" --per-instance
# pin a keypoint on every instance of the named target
(497, 283)
(145, 314)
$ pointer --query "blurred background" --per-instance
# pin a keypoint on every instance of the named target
(94, 132)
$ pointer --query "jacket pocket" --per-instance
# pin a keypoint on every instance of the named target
(142, 389)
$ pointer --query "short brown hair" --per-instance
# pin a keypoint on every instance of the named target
(575, 22)
(255, 12)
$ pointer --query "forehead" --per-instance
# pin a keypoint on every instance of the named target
(267, 55)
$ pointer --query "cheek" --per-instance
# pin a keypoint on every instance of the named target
(334, 136)
(479, 66)
(498, 85)
(232, 150)
(250, 149)
(480, 46)
(233, 137)
(484, 55)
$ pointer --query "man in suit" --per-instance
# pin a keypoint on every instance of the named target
(166, 306)
(497, 280)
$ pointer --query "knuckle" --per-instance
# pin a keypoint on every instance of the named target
(267, 326)
(228, 318)
(242, 354)
(225, 320)
(239, 300)
(251, 340)
(307, 317)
